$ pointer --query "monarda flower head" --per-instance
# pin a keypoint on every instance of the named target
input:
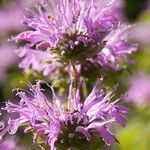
(70, 123)
(77, 31)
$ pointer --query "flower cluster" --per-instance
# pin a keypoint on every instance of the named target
(63, 37)
(56, 120)
(76, 31)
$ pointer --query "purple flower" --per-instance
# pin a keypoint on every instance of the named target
(139, 89)
(41, 61)
(9, 143)
(117, 48)
(76, 31)
(57, 121)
